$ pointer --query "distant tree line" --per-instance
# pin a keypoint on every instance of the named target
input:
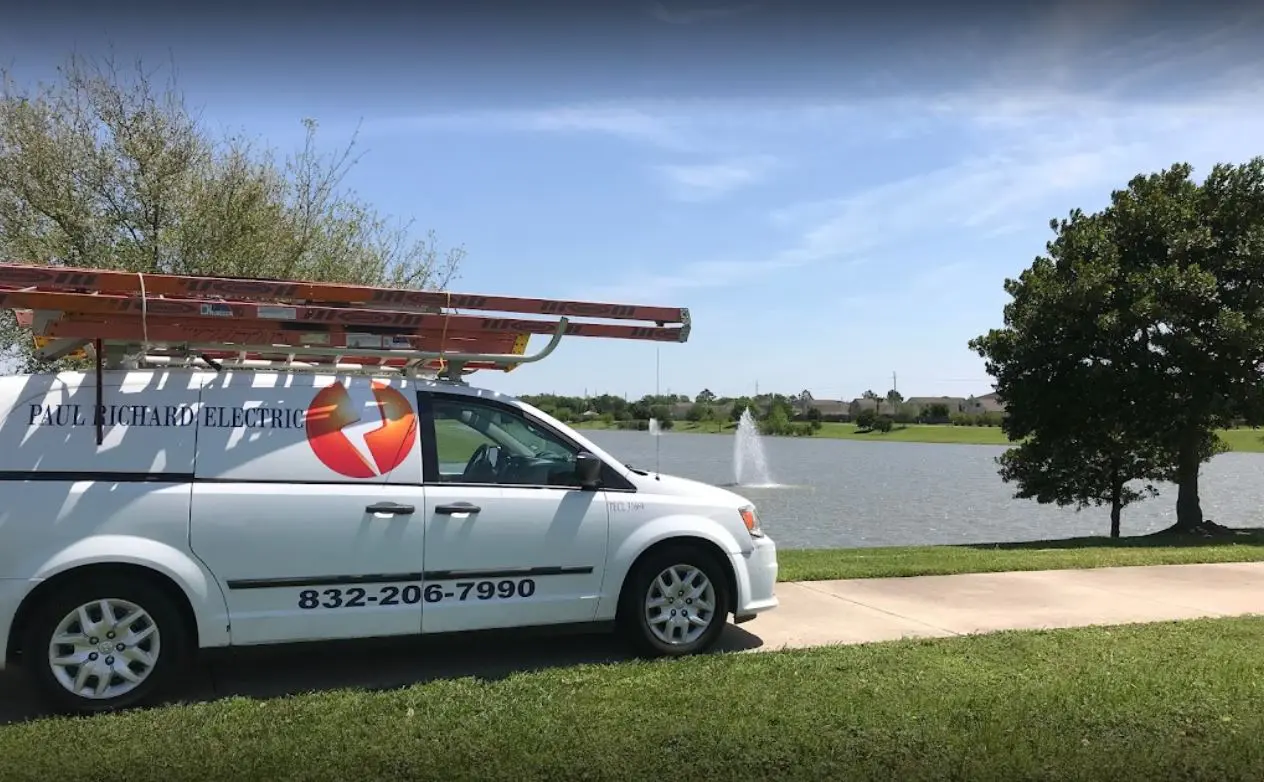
(776, 414)
(892, 409)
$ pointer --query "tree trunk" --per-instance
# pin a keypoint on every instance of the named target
(1189, 511)
(1116, 495)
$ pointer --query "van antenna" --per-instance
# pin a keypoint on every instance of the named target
(658, 435)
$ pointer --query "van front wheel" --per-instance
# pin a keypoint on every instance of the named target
(101, 645)
(676, 603)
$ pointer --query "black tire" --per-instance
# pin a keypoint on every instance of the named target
(173, 642)
(635, 625)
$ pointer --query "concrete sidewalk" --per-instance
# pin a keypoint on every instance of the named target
(816, 613)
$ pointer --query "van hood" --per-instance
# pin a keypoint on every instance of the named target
(686, 487)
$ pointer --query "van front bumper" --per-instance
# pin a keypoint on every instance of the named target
(757, 579)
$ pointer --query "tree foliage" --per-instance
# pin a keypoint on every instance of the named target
(108, 168)
(699, 412)
(936, 413)
(1135, 337)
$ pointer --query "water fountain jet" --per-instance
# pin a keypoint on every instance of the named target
(750, 463)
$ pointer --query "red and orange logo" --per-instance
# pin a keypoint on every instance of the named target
(332, 416)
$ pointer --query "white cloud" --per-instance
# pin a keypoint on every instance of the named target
(1111, 49)
(1048, 154)
(701, 127)
(1044, 153)
(615, 120)
(705, 182)
(693, 15)
(1037, 140)
(691, 276)
(1082, 58)
(626, 121)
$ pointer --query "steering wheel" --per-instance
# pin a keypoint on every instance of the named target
(481, 467)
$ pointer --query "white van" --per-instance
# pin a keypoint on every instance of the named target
(240, 508)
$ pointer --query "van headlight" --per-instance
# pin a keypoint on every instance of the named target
(751, 519)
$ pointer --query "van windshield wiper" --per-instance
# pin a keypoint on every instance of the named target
(637, 470)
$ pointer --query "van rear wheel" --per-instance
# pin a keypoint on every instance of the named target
(104, 644)
(676, 603)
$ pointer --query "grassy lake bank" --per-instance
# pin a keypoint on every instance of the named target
(1244, 440)
(1243, 545)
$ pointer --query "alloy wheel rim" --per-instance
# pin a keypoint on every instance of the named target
(680, 605)
(104, 649)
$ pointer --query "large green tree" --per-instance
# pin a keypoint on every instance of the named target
(1139, 334)
(1062, 366)
(107, 167)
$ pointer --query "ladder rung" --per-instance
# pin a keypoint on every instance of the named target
(160, 331)
(250, 322)
(62, 278)
(467, 325)
(270, 360)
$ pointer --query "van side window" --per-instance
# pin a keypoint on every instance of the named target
(487, 444)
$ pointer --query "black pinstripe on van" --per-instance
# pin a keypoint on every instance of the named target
(102, 476)
(395, 578)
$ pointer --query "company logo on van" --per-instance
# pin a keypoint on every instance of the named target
(356, 440)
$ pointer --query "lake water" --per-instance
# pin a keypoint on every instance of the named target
(844, 493)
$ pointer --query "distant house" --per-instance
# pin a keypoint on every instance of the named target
(860, 403)
(988, 403)
(956, 404)
(830, 409)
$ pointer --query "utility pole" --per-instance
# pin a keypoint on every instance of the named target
(894, 387)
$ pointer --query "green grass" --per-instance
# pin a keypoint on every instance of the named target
(1246, 545)
(1148, 702)
(919, 433)
(1248, 440)
(456, 442)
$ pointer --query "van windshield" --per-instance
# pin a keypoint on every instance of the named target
(529, 438)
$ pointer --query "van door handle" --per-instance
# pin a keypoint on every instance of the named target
(456, 507)
(392, 508)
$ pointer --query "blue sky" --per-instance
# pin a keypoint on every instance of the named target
(834, 198)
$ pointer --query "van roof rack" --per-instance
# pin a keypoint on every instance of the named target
(131, 319)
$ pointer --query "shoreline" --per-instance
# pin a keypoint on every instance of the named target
(1234, 544)
(1238, 440)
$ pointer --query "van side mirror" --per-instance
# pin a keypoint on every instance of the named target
(587, 470)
